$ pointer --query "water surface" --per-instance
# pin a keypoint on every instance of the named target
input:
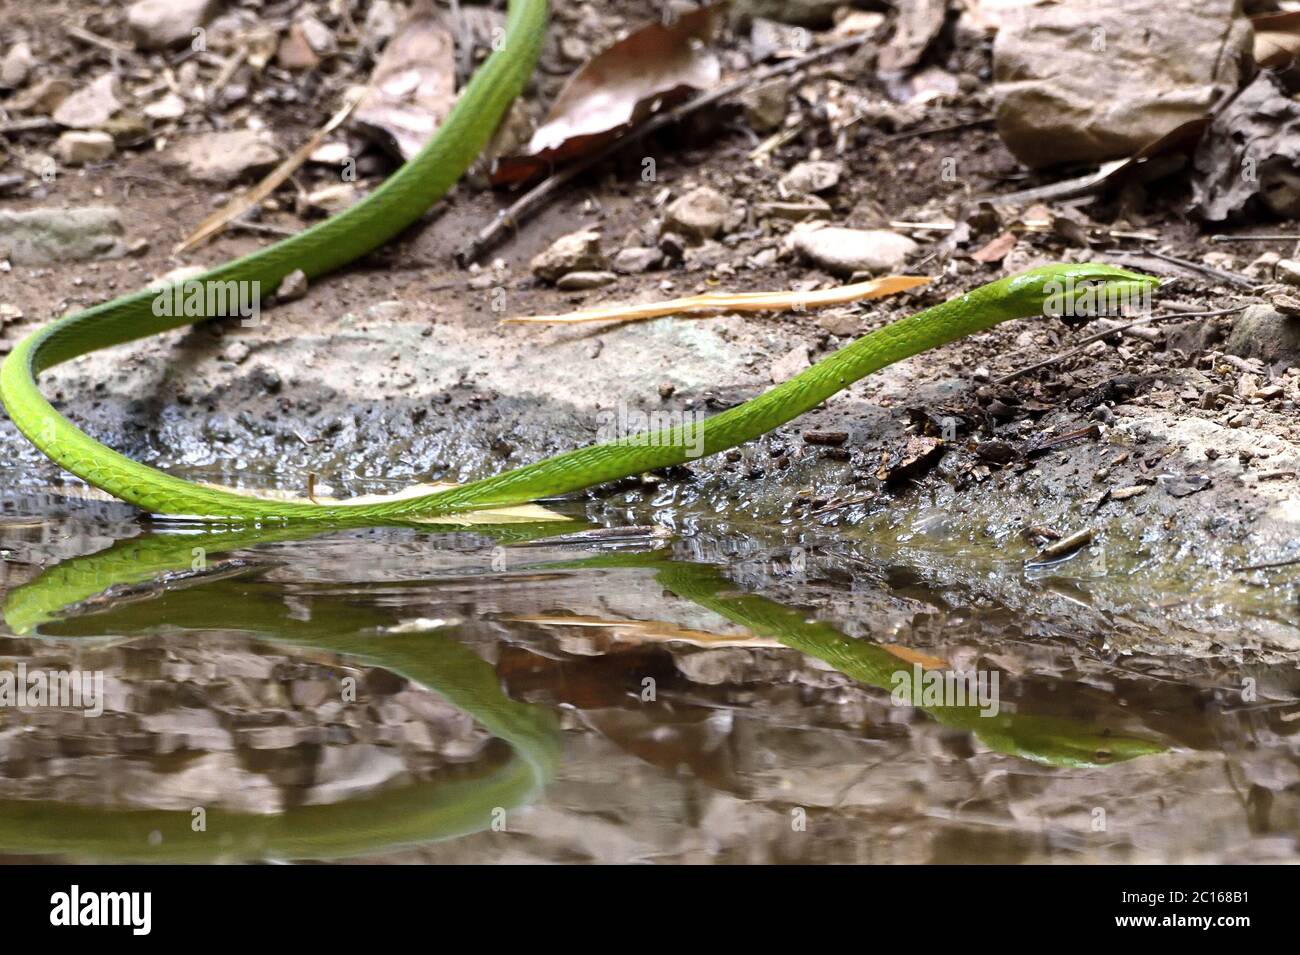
(703, 690)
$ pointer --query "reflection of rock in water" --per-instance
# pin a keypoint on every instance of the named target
(226, 722)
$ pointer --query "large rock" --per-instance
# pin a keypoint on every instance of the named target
(845, 251)
(1263, 333)
(158, 24)
(1088, 82)
(42, 236)
(226, 156)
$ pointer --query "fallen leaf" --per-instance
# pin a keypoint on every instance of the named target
(413, 85)
(654, 68)
(996, 249)
(1259, 132)
(711, 303)
(916, 26)
(1182, 485)
(909, 460)
(1277, 39)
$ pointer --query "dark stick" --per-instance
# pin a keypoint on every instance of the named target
(1151, 320)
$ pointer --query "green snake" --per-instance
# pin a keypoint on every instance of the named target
(391, 208)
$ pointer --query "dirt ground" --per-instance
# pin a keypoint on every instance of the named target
(397, 368)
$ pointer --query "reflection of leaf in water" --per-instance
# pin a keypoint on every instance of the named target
(1049, 740)
(647, 631)
(915, 656)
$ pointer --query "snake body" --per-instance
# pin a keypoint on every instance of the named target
(394, 206)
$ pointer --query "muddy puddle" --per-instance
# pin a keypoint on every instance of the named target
(645, 681)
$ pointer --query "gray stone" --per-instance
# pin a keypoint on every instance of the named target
(581, 281)
(1263, 333)
(845, 251)
(42, 236)
(381, 22)
(158, 24)
(807, 178)
(790, 364)
(292, 286)
(225, 157)
(90, 106)
(575, 252)
(77, 147)
(701, 213)
(766, 104)
(637, 259)
(168, 106)
(1091, 82)
(16, 65)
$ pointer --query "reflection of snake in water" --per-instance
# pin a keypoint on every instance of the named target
(408, 815)
(430, 810)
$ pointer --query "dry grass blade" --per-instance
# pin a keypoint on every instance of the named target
(711, 303)
(237, 206)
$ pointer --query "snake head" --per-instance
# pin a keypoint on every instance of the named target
(1078, 293)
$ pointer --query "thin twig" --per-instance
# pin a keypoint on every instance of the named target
(1267, 237)
(27, 125)
(1120, 329)
(260, 228)
(530, 202)
(94, 39)
(928, 130)
(1268, 566)
(1230, 277)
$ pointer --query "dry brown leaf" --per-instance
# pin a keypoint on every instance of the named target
(413, 85)
(996, 249)
(711, 303)
(1277, 39)
(916, 26)
(654, 68)
(244, 201)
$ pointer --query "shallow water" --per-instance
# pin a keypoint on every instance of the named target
(715, 690)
